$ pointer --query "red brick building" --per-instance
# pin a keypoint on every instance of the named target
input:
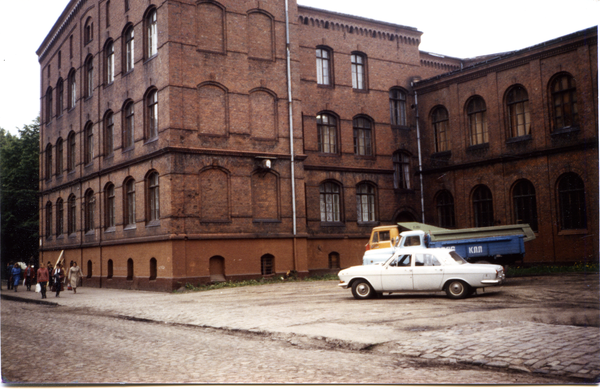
(165, 140)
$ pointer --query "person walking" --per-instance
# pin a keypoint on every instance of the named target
(58, 277)
(74, 275)
(28, 275)
(16, 275)
(42, 278)
(51, 275)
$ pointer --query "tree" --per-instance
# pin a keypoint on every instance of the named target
(19, 172)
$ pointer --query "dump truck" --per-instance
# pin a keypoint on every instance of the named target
(502, 245)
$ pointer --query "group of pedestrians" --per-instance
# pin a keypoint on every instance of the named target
(48, 276)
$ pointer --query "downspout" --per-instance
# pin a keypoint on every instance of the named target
(420, 159)
(291, 124)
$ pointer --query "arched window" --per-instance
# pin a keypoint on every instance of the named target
(365, 202)
(324, 57)
(564, 102)
(109, 269)
(48, 220)
(359, 78)
(71, 156)
(517, 105)
(129, 204)
(330, 202)
(72, 215)
(483, 208)
(109, 129)
(153, 197)
(440, 122)
(477, 119)
(48, 170)
(397, 107)
(89, 77)
(334, 260)
(60, 91)
(88, 31)
(128, 125)
(128, 49)
(524, 204)
(327, 133)
(151, 33)
(445, 209)
(153, 269)
(362, 136)
(151, 123)
(59, 156)
(59, 217)
(401, 162)
(89, 211)
(49, 104)
(72, 92)
(571, 202)
(109, 62)
(110, 206)
(130, 269)
(88, 144)
(267, 265)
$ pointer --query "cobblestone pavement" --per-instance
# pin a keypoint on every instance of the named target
(523, 329)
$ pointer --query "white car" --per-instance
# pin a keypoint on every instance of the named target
(421, 269)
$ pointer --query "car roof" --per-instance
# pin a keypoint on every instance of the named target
(424, 250)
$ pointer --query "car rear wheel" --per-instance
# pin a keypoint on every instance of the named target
(457, 289)
(362, 290)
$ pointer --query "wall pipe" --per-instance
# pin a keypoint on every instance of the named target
(420, 158)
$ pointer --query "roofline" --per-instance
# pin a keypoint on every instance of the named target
(64, 19)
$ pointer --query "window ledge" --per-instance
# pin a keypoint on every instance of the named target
(130, 227)
(565, 131)
(266, 221)
(446, 154)
(332, 224)
(517, 139)
(481, 146)
(360, 90)
(150, 58)
(128, 72)
(573, 232)
(90, 233)
(324, 154)
(110, 230)
(128, 149)
(400, 127)
(151, 140)
(325, 86)
(73, 235)
(367, 224)
(153, 223)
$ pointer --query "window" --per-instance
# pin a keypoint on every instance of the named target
(110, 205)
(89, 269)
(71, 151)
(128, 125)
(88, 146)
(72, 89)
(126, 5)
(445, 209)
(327, 133)
(151, 34)
(48, 171)
(483, 209)
(323, 66)
(89, 77)
(439, 121)
(59, 58)
(129, 204)
(571, 202)
(71, 46)
(334, 260)
(152, 114)
(564, 102)
(48, 220)
(519, 121)
(107, 13)
(330, 202)
(49, 104)
(59, 156)
(398, 107)
(72, 215)
(267, 263)
(153, 269)
(88, 31)
(153, 200)
(358, 71)
(362, 136)
(109, 63)
(59, 96)
(365, 202)
(60, 222)
(109, 270)
(525, 209)
(128, 54)
(130, 269)
(401, 170)
(90, 208)
(477, 116)
(109, 127)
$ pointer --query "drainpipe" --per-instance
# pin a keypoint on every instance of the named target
(420, 159)
(291, 123)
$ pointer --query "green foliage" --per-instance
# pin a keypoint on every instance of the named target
(19, 193)
(578, 267)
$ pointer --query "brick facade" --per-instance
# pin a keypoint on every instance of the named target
(168, 160)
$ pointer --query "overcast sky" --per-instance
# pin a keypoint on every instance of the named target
(457, 28)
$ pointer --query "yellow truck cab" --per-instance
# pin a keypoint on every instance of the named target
(381, 244)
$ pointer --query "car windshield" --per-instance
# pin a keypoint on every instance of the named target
(457, 258)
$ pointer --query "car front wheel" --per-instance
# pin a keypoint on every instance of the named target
(362, 290)
(457, 289)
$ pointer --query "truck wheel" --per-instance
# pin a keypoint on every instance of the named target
(457, 289)
(362, 290)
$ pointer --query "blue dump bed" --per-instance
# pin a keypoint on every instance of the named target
(484, 247)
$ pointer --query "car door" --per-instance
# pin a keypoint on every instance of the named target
(398, 274)
(428, 272)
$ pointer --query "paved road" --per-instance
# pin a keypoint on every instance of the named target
(520, 333)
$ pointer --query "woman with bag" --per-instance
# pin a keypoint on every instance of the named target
(16, 275)
(43, 277)
(74, 275)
